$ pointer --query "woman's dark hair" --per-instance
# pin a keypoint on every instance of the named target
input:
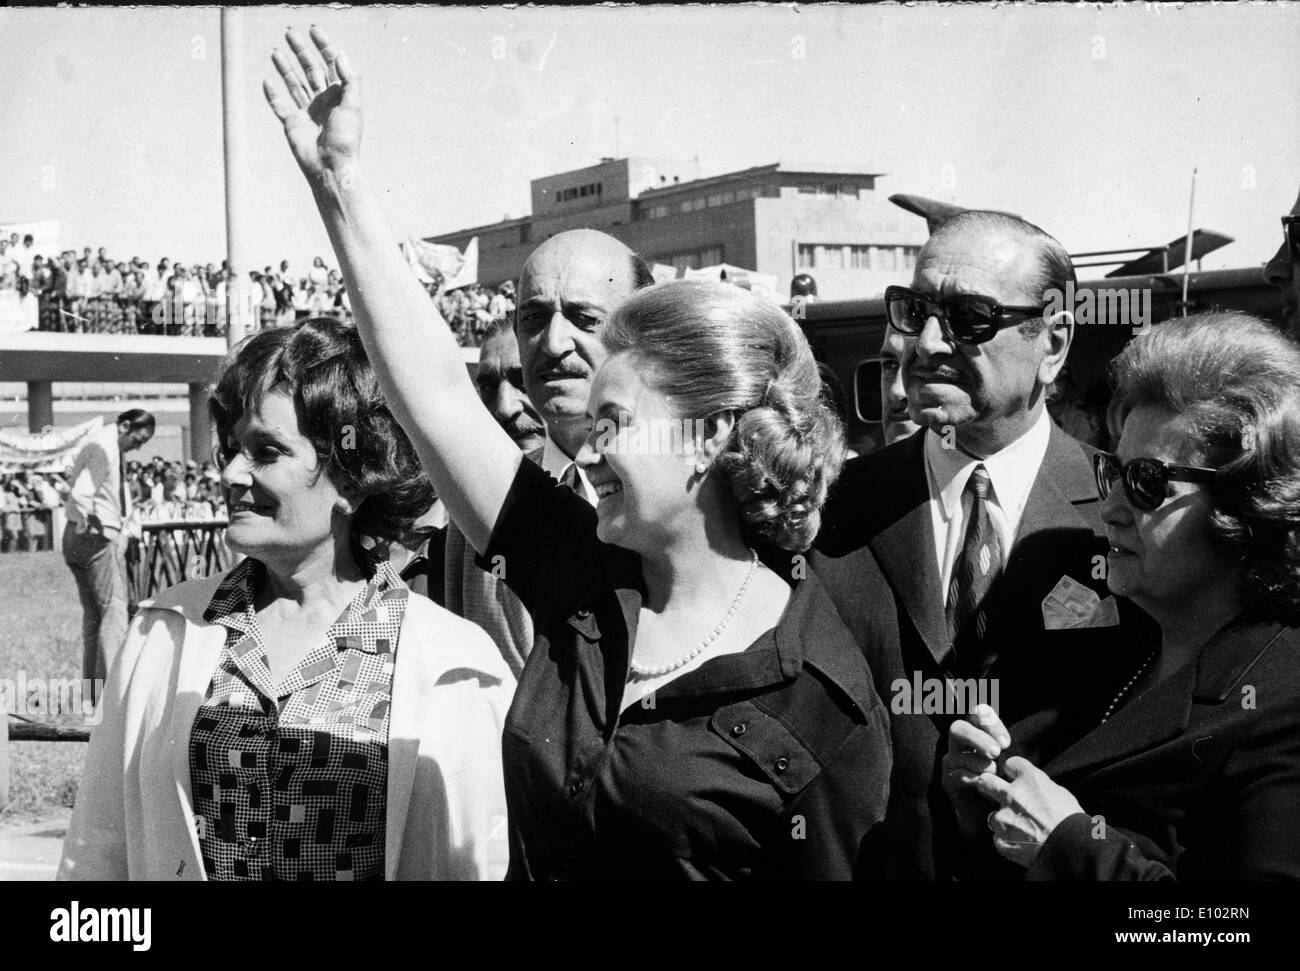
(1235, 381)
(713, 347)
(321, 365)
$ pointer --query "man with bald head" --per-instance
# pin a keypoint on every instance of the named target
(567, 290)
(536, 381)
(958, 555)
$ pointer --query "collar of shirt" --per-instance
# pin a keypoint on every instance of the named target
(1011, 471)
(232, 602)
(358, 627)
(557, 463)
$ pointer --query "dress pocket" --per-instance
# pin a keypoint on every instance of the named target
(788, 764)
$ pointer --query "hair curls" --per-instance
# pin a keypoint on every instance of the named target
(1235, 382)
(713, 348)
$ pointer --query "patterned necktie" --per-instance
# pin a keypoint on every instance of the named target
(973, 575)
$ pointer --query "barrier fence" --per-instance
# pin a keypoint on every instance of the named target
(172, 551)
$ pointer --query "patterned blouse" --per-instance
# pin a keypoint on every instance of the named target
(290, 782)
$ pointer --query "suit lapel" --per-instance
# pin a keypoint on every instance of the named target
(1160, 715)
(1165, 711)
(904, 546)
(1064, 480)
(1052, 512)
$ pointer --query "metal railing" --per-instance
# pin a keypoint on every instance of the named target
(172, 551)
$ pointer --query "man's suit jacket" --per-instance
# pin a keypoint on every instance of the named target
(876, 555)
(1197, 779)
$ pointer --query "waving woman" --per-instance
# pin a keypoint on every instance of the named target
(685, 712)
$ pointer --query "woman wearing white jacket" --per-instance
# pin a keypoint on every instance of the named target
(302, 716)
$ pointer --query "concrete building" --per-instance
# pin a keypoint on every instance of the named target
(777, 219)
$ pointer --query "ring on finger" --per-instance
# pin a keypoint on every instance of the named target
(989, 820)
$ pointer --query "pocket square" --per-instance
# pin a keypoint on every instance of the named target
(1072, 605)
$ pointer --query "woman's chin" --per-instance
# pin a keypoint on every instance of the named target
(606, 532)
(1119, 577)
(246, 540)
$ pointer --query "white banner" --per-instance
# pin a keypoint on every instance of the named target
(438, 262)
(51, 450)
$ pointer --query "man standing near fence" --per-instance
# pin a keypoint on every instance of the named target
(94, 541)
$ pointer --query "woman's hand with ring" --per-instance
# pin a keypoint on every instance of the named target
(1032, 807)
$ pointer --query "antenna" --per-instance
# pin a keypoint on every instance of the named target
(1187, 249)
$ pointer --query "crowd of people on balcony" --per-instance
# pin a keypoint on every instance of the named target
(101, 294)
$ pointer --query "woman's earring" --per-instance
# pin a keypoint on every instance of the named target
(701, 467)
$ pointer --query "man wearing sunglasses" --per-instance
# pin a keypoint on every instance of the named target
(1283, 270)
(940, 550)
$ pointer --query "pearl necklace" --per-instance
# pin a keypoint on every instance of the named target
(1128, 687)
(639, 671)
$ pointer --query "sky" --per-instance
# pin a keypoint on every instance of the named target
(1087, 121)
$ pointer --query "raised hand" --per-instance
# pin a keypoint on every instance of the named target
(319, 106)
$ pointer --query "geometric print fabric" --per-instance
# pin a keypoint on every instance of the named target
(290, 782)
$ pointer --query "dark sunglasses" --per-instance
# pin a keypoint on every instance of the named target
(1146, 481)
(1291, 231)
(965, 318)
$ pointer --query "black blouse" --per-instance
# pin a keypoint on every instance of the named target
(770, 763)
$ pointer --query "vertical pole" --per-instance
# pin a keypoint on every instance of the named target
(200, 427)
(40, 405)
(4, 754)
(233, 92)
(1187, 251)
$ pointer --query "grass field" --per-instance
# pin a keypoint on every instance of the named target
(40, 634)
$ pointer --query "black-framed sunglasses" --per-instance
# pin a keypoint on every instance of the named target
(1291, 232)
(1146, 481)
(966, 318)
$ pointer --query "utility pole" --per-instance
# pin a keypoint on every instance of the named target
(233, 91)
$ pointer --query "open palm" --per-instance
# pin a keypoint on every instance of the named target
(320, 108)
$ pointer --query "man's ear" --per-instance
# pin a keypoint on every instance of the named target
(717, 432)
(1059, 334)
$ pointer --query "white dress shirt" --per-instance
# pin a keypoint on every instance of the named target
(557, 464)
(1011, 473)
(96, 479)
